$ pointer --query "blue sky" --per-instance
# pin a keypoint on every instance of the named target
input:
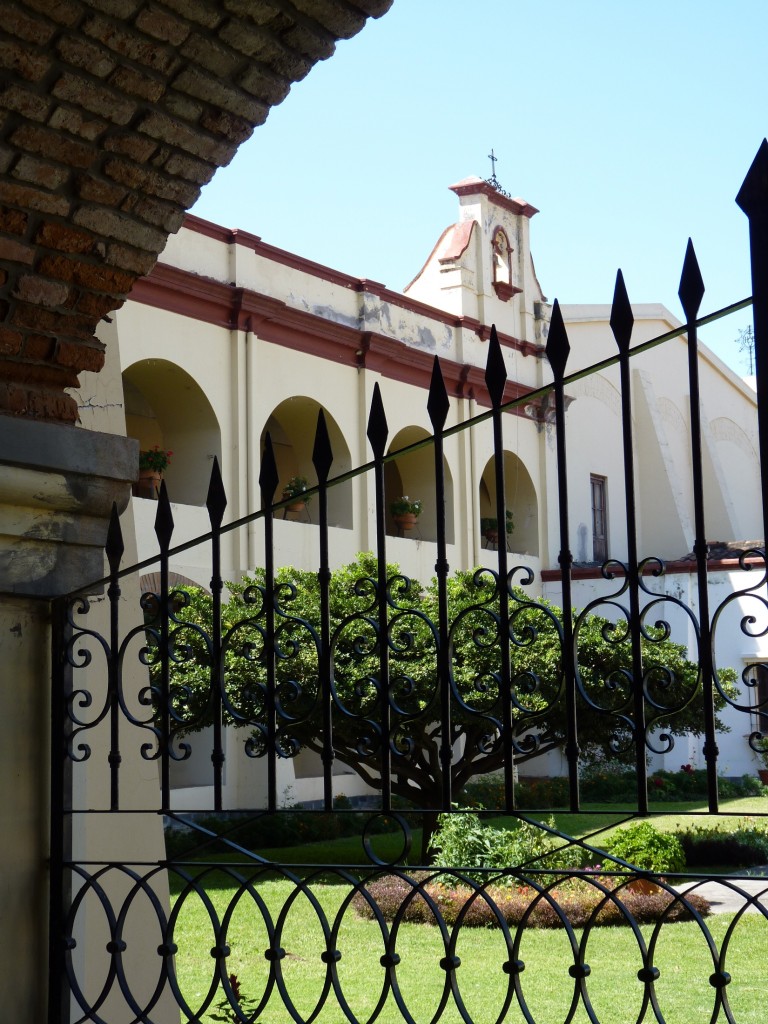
(630, 126)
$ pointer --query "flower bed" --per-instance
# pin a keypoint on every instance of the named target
(574, 900)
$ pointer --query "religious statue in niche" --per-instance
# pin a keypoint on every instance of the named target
(501, 259)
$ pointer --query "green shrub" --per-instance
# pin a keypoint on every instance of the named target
(462, 840)
(608, 782)
(646, 848)
(744, 846)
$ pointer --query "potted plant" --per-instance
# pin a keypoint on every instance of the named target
(761, 749)
(490, 527)
(152, 464)
(296, 488)
(405, 511)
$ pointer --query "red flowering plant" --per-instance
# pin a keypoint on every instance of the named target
(155, 459)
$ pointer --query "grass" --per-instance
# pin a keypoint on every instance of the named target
(593, 818)
(681, 953)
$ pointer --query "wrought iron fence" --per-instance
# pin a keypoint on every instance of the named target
(419, 690)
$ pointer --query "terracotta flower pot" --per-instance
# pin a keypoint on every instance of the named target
(406, 520)
(763, 774)
(148, 485)
(644, 886)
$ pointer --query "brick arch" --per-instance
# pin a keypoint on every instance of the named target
(113, 114)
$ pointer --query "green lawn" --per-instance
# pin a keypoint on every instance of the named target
(682, 956)
(682, 953)
(594, 818)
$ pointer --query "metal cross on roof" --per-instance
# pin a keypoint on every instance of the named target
(493, 181)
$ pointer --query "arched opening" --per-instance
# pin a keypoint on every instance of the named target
(413, 475)
(292, 427)
(520, 500)
(165, 406)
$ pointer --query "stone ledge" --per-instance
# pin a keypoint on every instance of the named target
(57, 487)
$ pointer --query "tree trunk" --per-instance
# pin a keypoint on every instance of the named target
(428, 825)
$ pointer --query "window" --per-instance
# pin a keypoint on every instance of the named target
(758, 674)
(599, 518)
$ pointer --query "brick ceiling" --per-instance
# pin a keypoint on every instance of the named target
(113, 114)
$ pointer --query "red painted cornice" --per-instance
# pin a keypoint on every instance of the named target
(357, 284)
(479, 187)
(180, 292)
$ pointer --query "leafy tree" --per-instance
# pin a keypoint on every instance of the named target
(415, 706)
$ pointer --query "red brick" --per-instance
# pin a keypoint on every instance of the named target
(261, 13)
(39, 347)
(182, 107)
(40, 173)
(340, 21)
(10, 341)
(37, 318)
(137, 83)
(16, 400)
(196, 10)
(53, 145)
(221, 60)
(130, 44)
(137, 147)
(64, 238)
(110, 224)
(99, 191)
(83, 54)
(220, 122)
(162, 26)
(126, 258)
(17, 22)
(212, 90)
(97, 306)
(47, 374)
(117, 8)
(150, 182)
(24, 102)
(176, 133)
(189, 168)
(16, 252)
(252, 40)
(7, 156)
(316, 44)
(14, 222)
(103, 279)
(266, 86)
(154, 211)
(79, 356)
(64, 12)
(33, 199)
(25, 62)
(95, 98)
(62, 268)
(40, 291)
(73, 121)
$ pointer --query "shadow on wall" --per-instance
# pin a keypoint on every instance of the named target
(165, 406)
(414, 475)
(292, 426)
(520, 499)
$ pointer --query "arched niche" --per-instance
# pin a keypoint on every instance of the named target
(292, 426)
(519, 498)
(414, 474)
(165, 406)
